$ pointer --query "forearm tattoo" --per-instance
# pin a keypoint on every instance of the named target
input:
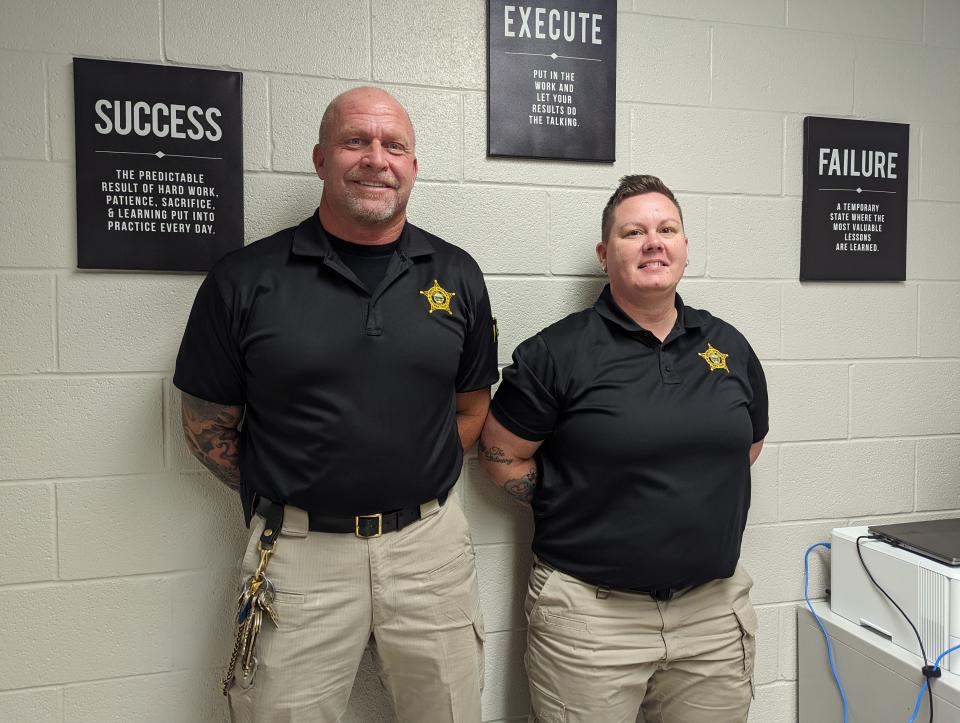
(493, 454)
(212, 435)
(521, 489)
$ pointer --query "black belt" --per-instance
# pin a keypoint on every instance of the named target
(365, 526)
(660, 594)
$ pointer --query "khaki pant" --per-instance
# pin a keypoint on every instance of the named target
(414, 591)
(601, 657)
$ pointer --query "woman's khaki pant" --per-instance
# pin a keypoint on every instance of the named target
(599, 656)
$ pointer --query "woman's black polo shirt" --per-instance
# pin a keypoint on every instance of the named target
(349, 396)
(644, 468)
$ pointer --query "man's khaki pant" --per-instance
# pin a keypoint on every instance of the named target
(599, 656)
(414, 591)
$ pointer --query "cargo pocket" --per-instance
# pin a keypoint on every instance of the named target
(545, 707)
(747, 620)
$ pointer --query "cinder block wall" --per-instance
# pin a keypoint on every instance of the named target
(117, 561)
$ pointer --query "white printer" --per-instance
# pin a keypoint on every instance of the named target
(928, 592)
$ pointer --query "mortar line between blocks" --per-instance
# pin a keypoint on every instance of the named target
(47, 149)
(163, 48)
(55, 330)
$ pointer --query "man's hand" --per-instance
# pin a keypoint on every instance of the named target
(212, 436)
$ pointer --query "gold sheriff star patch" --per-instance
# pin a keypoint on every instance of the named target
(715, 358)
(439, 298)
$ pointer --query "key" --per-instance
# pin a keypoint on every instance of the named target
(255, 620)
(265, 598)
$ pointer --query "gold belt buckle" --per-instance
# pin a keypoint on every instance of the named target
(378, 517)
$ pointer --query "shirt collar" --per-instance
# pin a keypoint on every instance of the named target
(687, 318)
(310, 239)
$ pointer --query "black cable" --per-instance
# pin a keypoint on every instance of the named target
(927, 671)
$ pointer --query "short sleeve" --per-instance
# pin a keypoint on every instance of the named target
(526, 401)
(209, 365)
(478, 362)
(758, 407)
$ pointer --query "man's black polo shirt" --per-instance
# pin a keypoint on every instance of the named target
(349, 396)
(644, 469)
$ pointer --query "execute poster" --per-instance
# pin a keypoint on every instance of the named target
(854, 225)
(159, 165)
(551, 79)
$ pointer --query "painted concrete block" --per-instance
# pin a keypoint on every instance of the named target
(938, 475)
(449, 50)
(774, 69)
(662, 60)
(754, 238)
(272, 202)
(103, 28)
(764, 486)
(941, 156)
(807, 401)
(123, 322)
(507, 227)
(503, 571)
(44, 705)
(37, 227)
(158, 523)
(752, 307)
(749, 12)
(23, 116)
(27, 332)
(902, 82)
(178, 696)
(941, 23)
(938, 336)
(89, 631)
(867, 320)
(847, 478)
(80, 427)
(505, 687)
(891, 399)
(707, 150)
(773, 555)
(933, 241)
(525, 306)
(897, 19)
(331, 40)
(27, 517)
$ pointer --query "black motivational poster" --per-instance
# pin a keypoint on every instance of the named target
(854, 225)
(159, 165)
(552, 79)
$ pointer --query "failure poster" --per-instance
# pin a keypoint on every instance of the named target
(854, 225)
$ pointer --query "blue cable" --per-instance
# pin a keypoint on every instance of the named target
(806, 596)
(926, 681)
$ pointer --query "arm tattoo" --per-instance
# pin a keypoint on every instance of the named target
(212, 435)
(493, 454)
(521, 489)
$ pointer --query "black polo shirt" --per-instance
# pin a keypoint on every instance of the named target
(349, 395)
(644, 469)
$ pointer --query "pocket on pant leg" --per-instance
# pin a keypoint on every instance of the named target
(545, 707)
(747, 620)
(457, 591)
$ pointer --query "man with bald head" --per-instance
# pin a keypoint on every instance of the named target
(333, 375)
